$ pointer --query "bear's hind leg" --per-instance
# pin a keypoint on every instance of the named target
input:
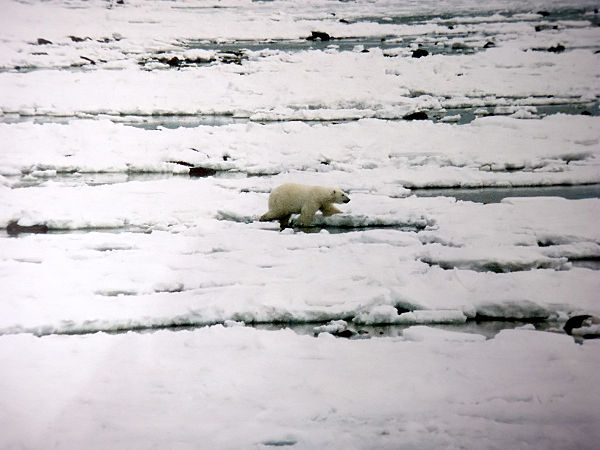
(284, 222)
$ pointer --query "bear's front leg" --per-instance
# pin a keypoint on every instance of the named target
(307, 213)
(329, 210)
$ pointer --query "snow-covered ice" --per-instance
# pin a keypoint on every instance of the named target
(141, 316)
(486, 152)
(242, 388)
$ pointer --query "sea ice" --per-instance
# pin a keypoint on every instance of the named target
(245, 388)
(132, 317)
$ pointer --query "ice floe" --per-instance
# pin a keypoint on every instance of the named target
(143, 303)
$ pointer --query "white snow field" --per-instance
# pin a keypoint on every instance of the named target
(142, 307)
(243, 388)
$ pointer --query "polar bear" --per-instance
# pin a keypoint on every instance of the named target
(292, 198)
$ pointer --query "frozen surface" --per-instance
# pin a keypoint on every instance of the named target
(491, 151)
(243, 388)
(493, 59)
(105, 108)
(195, 265)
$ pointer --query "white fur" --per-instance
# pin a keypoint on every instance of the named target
(292, 198)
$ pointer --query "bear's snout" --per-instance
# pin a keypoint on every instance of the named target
(346, 199)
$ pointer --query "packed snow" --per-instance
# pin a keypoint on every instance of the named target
(144, 307)
(242, 388)
(394, 154)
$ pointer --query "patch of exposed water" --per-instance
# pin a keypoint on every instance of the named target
(468, 114)
(147, 122)
(482, 326)
(488, 328)
(497, 194)
(104, 178)
(491, 16)
(478, 195)
(461, 116)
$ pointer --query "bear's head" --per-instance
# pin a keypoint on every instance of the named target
(338, 196)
